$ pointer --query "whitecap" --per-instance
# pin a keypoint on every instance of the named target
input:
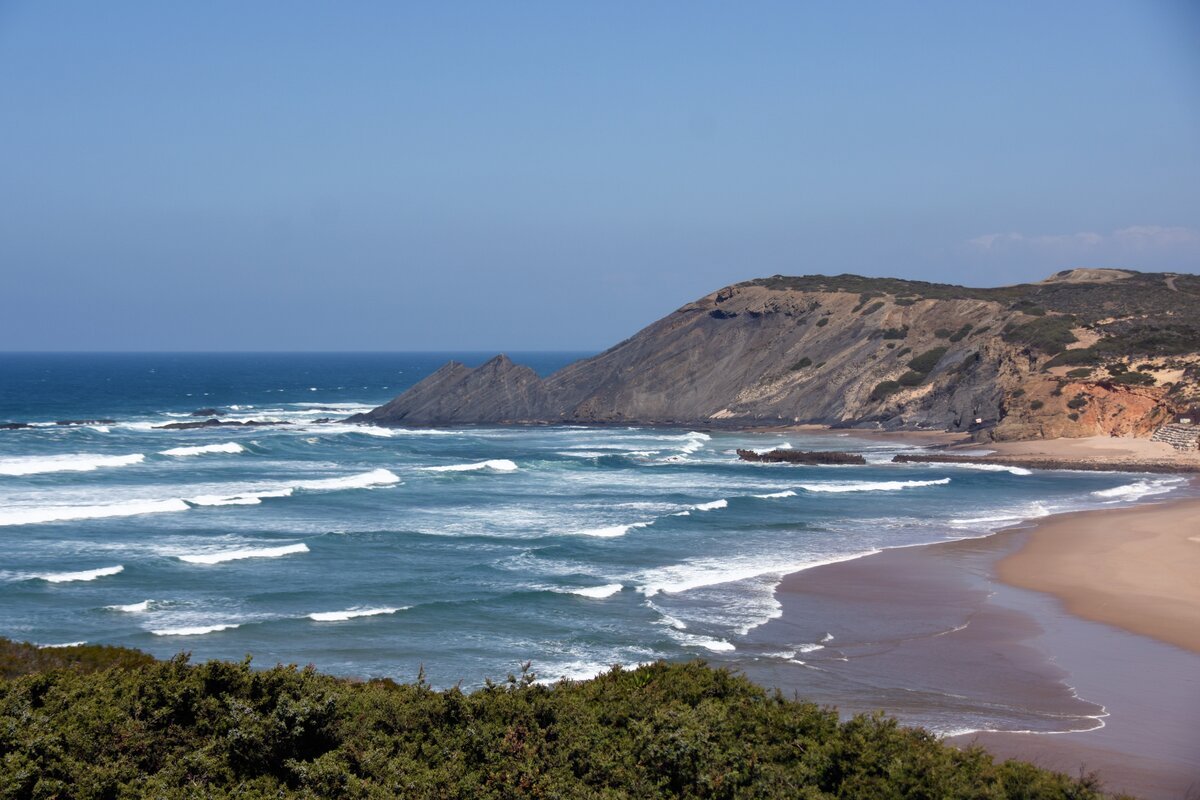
(713, 506)
(363, 480)
(202, 449)
(85, 575)
(40, 514)
(870, 486)
(707, 642)
(76, 462)
(495, 464)
(195, 630)
(776, 495)
(981, 467)
(352, 613)
(1137, 490)
(132, 608)
(237, 555)
(597, 592)
(710, 572)
(612, 531)
(249, 499)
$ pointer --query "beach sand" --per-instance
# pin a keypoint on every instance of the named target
(932, 634)
(1136, 568)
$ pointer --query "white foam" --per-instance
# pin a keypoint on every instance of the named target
(776, 495)
(351, 613)
(374, 430)
(780, 446)
(85, 575)
(711, 572)
(713, 506)
(707, 642)
(61, 644)
(495, 464)
(1032, 511)
(196, 630)
(870, 486)
(249, 499)
(1137, 490)
(810, 647)
(202, 449)
(981, 467)
(597, 592)
(36, 515)
(132, 608)
(363, 480)
(612, 531)
(76, 462)
(237, 555)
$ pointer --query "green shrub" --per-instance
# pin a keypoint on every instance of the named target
(906, 301)
(871, 309)
(1078, 401)
(1081, 372)
(802, 363)
(942, 333)
(1036, 404)
(961, 333)
(903, 352)
(1082, 355)
(884, 390)
(927, 360)
(1073, 417)
(1048, 334)
(911, 378)
(1133, 379)
(896, 333)
(822, 322)
(1017, 393)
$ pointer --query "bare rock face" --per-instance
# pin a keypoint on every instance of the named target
(866, 352)
(496, 392)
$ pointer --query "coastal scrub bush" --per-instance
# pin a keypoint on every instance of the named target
(871, 309)
(1133, 379)
(1048, 334)
(906, 301)
(961, 333)
(911, 378)
(884, 390)
(822, 322)
(1080, 372)
(220, 729)
(1035, 404)
(942, 333)
(1078, 401)
(928, 360)
(896, 333)
(801, 364)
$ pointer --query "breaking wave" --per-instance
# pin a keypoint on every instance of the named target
(612, 531)
(495, 464)
(85, 575)
(202, 449)
(1137, 490)
(40, 514)
(238, 555)
(352, 613)
(596, 592)
(196, 630)
(77, 462)
(870, 486)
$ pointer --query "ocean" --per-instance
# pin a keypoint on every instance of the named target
(463, 552)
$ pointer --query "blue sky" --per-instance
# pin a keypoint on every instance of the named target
(404, 176)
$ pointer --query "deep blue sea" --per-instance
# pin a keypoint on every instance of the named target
(372, 551)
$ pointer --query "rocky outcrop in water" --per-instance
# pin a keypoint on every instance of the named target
(216, 423)
(802, 457)
(1085, 352)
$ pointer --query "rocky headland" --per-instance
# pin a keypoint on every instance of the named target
(1086, 352)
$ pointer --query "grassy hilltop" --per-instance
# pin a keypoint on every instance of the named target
(103, 722)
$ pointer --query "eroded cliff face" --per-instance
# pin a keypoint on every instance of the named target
(844, 351)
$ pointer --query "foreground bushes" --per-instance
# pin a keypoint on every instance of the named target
(174, 730)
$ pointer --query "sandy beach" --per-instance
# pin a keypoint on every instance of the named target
(1136, 568)
(1088, 623)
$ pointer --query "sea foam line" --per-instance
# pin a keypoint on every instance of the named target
(76, 462)
(495, 464)
(870, 486)
(85, 575)
(352, 613)
(613, 531)
(594, 592)
(238, 555)
(196, 630)
(203, 449)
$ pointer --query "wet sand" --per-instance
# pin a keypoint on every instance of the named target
(932, 636)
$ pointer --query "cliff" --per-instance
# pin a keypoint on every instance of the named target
(1084, 352)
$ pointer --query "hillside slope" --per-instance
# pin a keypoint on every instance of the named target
(1084, 352)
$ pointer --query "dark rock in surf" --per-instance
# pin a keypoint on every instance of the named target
(802, 457)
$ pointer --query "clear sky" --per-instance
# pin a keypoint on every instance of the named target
(526, 175)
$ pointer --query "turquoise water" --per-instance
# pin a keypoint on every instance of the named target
(467, 551)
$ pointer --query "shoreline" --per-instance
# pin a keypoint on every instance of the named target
(961, 629)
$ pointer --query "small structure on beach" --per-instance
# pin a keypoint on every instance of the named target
(1183, 436)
